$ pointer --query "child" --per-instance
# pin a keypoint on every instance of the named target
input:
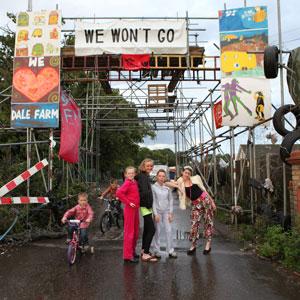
(128, 193)
(163, 214)
(83, 212)
(111, 190)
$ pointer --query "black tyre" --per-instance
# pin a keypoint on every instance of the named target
(278, 118)
(271, 60)
(105, 222)
(288, 143)
(71, 254)
(120, 221)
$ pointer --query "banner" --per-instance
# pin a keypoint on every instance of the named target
(218, 114)
(36, 75)
(245, 91)
(135, 61)
(70, 129)
(131, 37)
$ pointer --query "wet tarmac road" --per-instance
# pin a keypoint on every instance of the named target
(40, 271)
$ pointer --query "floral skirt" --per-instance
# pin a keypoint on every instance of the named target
(202, 212)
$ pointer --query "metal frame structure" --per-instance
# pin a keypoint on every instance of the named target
(188, 119)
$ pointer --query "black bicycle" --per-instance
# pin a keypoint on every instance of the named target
(112, 216)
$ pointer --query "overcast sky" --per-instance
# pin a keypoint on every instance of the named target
(173, 8)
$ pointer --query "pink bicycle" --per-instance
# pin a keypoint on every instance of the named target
(74, 246)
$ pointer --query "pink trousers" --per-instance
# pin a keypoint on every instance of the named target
(131, 231)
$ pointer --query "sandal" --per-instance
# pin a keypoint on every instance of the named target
(150, 259)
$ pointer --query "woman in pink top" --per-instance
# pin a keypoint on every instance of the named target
(128, 193)
(82, 212)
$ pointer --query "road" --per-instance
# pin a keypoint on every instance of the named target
(40, 271)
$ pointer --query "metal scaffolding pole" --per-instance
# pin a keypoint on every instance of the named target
(86, 136)
(39, 159)
(250, 143)
(214, 145)
(50, 169)
(234, 183)
(282, 100)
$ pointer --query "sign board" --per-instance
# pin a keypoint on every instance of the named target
(245, 91)
(36, 75)
(131, 37)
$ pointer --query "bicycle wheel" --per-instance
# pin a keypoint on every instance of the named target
(105, 222)
(72, 251)
(120, 220)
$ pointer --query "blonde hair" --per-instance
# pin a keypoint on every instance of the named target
(83, 195)
(143, 163)
(130, 168)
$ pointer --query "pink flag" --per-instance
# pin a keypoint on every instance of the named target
(70, 129)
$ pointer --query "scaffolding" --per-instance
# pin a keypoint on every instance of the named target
(188, 119)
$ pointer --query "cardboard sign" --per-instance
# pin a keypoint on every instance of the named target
(36, 75)
(245, 91)
(131, 37)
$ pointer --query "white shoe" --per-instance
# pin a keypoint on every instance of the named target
(173, 254)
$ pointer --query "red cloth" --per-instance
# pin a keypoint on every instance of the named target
(135, 61)
(80, 213)
(131, 231)
(70, 129)
(129, 192)
(218, 114)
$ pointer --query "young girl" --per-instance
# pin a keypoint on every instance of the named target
(111, 190)
(163, 214)
(128, 193)
(83, 212)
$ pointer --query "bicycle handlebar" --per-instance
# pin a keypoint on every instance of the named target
(77, 222)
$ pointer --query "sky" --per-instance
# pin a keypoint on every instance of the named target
(173, 8)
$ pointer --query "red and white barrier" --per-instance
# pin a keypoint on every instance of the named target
(23, 200)
(22, 177)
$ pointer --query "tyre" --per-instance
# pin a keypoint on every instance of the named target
(271, 60)
(278, 118)
(120, 221)
(72, 251)
(105, 222)
(288, 143)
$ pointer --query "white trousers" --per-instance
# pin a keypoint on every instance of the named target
(163, 222)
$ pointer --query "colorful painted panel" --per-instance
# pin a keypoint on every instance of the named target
(36, 79)
(36, 75)
(35, 115)
(243, 38)
(244, 18)
(38, 34)
(246, 101)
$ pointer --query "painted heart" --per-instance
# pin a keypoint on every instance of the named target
(35, 86)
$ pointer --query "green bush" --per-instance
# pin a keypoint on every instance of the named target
(247, 232)
(291, 250)
(273, 243)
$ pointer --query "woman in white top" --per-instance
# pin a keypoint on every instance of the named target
(192, 192)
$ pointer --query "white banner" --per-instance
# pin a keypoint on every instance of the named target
(131, 37)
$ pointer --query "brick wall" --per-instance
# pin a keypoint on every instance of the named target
(294, 185)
